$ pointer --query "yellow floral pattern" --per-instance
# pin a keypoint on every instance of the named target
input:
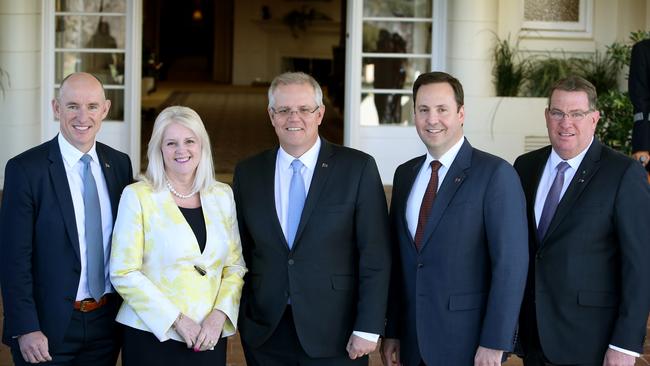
(154, 252)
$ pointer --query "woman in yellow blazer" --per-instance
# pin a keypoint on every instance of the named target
(176, 255)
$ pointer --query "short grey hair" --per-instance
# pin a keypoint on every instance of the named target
(295, 78)
(186, 117)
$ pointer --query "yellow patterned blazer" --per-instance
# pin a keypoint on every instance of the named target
(154, 254)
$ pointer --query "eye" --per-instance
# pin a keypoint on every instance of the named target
(304, 110)
(171, 143)
(283, 110)
(72, 107)
(93, 107)
(441, 110)
(189, 141)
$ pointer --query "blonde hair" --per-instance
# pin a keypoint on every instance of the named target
(186, 117)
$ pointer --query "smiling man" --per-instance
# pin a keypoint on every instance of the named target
(587, 296)
(314, 230)
(59, 202)
(459, 243)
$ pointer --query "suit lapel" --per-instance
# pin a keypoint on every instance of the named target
(530, 183)
(322, 170)
(409, 180)
(586, 171)
(453, 180)
(109, 176)
(267, 194)
(62, 191)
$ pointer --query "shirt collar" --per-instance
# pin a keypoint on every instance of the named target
(308, 159)
(71, 154)
(574, 162)
(447, 158)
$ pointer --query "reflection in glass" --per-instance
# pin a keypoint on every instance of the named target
(396, 37)
(392, 72)
(108, 67)
(397, 8)
(94, 6)
(116, 96)
(75, 31)
(370, 115)
(552, 10)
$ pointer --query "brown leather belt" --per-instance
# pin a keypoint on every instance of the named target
(89, 305)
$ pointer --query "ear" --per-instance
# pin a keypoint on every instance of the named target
(271, 116)
(56, 108)
(107, 107)
(320, 113)
(596, 117)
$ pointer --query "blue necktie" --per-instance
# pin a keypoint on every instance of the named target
(94, 239)
(552, 200)
(296, 201)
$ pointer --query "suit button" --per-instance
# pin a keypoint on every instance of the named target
(420, 265)
(77, 270)
(290, 262)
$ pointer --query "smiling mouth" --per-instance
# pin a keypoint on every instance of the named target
(81, 128)
(435, 130)
(293, 129)
(566, 134)
(182, 160)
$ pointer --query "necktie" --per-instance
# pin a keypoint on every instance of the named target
(296, 201)
(93, 226)
(552, 200)
(427, 203)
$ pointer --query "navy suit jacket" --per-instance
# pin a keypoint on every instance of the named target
(588, 284)
(338, 269)
(39, 262)
(464, 288)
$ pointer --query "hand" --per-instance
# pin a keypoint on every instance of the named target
(389, 351)
(487, 357)
(616, 358)
(34, 347)
(359, 347)
(210, 333)
(642, 156)
(188, 329)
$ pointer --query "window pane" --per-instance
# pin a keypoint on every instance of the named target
(106, 6)
(392, 73)
(397, 8)
(397, 37)
(383, 109)
(75, 31)
(108, 67)
(116, 96)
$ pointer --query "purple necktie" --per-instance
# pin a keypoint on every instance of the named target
(552, 200)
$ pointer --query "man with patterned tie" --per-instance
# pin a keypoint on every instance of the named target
(56, 220)
(587, 296)
(314, 230)
(458, 225)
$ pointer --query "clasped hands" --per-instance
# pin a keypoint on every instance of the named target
(204, 336)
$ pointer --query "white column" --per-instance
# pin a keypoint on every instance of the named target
(470, 38)
(20, 54)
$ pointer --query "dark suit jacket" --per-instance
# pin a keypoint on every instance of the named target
(588, 280)
(464, 288)
(639, 87)
(40, 265)
(337, 272)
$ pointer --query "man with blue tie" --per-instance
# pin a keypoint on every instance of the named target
(587, 295)
(314, 229)
(458, 224)
(59, 202)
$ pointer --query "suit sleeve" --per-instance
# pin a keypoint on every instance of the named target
(633, 228)
(127, 255)
(507, 239)
(17, 219)
(394, 311)
(232, 276)
(372, 237)
(639, 88)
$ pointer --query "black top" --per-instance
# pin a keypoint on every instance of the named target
(194, 217)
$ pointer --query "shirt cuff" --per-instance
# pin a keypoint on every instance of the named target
(619, 349)
(372, 337)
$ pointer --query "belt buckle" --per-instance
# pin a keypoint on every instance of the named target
(82, 307)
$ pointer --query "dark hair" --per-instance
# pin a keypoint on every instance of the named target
(575, 83)
(440, 77)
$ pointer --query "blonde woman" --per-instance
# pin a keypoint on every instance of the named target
(176, 255)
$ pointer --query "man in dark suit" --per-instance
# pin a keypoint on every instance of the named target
(314, 229)
(459, 243)
(639, 87)
(587, 296)
(58, 301)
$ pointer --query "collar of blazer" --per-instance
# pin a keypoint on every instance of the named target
(588, 167)
(453, 180)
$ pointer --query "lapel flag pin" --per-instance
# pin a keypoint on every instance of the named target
(324, 165)
(458, 179)
(107, 165)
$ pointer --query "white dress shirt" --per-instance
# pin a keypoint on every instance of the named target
(550, 170)
(283, 173)
(74, 173)
(422, 181)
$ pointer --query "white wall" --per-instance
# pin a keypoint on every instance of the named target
(260, 45)
(20, 108)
